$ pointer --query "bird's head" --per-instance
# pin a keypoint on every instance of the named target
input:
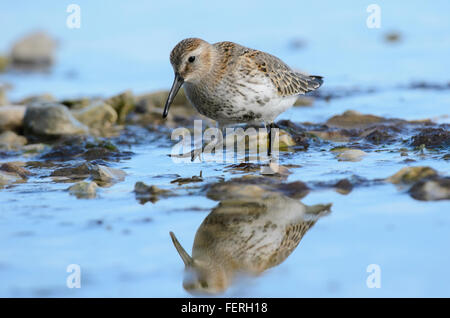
(191, 59)
(201, 277)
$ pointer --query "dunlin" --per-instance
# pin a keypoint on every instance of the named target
(245, 236)
(233, 84)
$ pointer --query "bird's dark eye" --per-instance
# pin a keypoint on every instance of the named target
(191, 59)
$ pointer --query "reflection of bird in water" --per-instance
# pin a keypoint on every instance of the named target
(245, 236)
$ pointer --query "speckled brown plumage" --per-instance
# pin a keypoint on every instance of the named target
(248, 235)
(231, 83)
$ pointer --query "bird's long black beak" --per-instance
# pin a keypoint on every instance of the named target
(177, 83)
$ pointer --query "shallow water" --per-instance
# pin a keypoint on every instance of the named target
(124, 248)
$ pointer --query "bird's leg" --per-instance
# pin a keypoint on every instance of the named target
(269, 131)
(218, 140)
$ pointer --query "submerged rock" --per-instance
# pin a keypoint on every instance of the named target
(409, 175)
(84, 190)
(35, 50)
(11, 141)
(52, 119)
(11, 117)
(97, 115)
(431, 190)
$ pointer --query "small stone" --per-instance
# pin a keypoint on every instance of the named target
(105, 175)
(77, 172)
(97, 115)
(52, 119)
(410, 175)
(11, 141)
(17, 168)
(84, 190)
(7, 178)
(11, 117)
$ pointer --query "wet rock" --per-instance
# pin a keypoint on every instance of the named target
(354, 119)
(432, 138)
(11, 117)
(84, 190)
(73, 147)
(7, 178)
(16, 168)
(378, 135)
(97, 115)
(297, 133)
(152, 193)
(78, 172)
(104, 175)
(51, 119)
(348, 154)
(343, 186)
(32, 149)
(431, 190)
(11, 141)
(123, 104)
(409, 175)
(35, 50)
